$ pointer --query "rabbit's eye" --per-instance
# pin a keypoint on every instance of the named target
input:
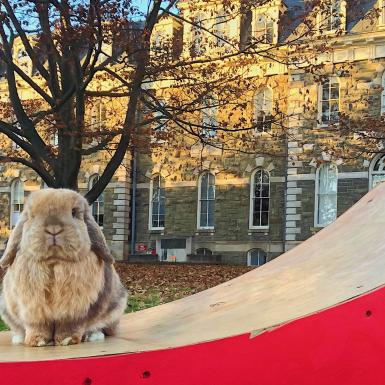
(74, 212)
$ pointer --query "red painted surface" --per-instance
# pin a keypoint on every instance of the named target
(344, 345)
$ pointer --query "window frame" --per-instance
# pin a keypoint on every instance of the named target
(252, 203)
(266, 112)
(383, 94)
(199, 208)
(322, 21)
(372, 172)
(249, 256)
(197, 48)
(12, 222)
(209, 116)
(317, 195)
(151, 202)
(99, 201)
(331, 80)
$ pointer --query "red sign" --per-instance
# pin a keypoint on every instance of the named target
(141, 247)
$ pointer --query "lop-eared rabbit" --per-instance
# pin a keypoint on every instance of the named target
(60, 286)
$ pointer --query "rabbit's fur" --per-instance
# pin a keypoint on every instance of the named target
(60, 286)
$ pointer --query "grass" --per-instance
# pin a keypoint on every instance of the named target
(3, 326)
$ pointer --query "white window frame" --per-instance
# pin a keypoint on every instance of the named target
(221, 29)
(99, 201)
(269, 26)
(266, 107)
(249, 256)
(99, 115)
(209, 116)
(20, 203)
(251, 205)
(381, 16)
(371, 169)
(317, 194)
(331, 80)
(198, 48)
(199, 226)
(155, 177)
(321, 21)
(383, 93)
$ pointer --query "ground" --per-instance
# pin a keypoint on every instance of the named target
(154, 284)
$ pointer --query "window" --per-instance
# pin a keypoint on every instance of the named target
(209, 117)
(259, 199)
(99, 115)
(245, 28)
(221, 29)
(377, 171)
(206, 201)
(383, 94)
(330, 15)
(381, 20)
(197, 36)
(204, 251)
(55, 139)
(326, 194)
(157, 203)
(256, 257)
(329, 101)
(263, 109)
(17, 201)
(264, 29)
(97, 208)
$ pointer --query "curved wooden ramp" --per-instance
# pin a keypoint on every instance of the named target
(314, 315)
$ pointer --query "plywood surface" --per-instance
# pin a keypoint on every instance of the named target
(343, 261)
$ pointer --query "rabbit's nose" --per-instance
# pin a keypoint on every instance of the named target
(53, 230)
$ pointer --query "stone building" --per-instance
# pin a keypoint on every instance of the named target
(201, 204)
(249, 209)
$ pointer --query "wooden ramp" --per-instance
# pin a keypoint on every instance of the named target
(314, 315)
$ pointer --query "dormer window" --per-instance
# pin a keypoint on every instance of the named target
(331, 17)
(381, 16)
(264, 29)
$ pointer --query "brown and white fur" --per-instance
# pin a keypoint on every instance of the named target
(60, 286)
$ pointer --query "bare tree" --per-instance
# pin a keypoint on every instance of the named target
(83, 51)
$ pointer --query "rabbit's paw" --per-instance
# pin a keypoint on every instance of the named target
(17, 339)
(36, 340)
(94, 336)
(68, 340)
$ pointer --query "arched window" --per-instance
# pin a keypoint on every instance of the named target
(256, 257)
(97, 208)
(206, 201)
(264, 29)
(209, 116)
(326, 194)
(377, 171)
(204, 251)
(17, 201)
(259, 199)
(383, 94)
(329, 101)
(263, 109)
(157, 203)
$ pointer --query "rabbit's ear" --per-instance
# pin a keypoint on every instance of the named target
(13, 242)
(98, 242)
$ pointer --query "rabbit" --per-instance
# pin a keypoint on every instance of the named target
(60, 286)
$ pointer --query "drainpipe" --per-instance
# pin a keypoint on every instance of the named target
(285, 194)
(133, 201)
